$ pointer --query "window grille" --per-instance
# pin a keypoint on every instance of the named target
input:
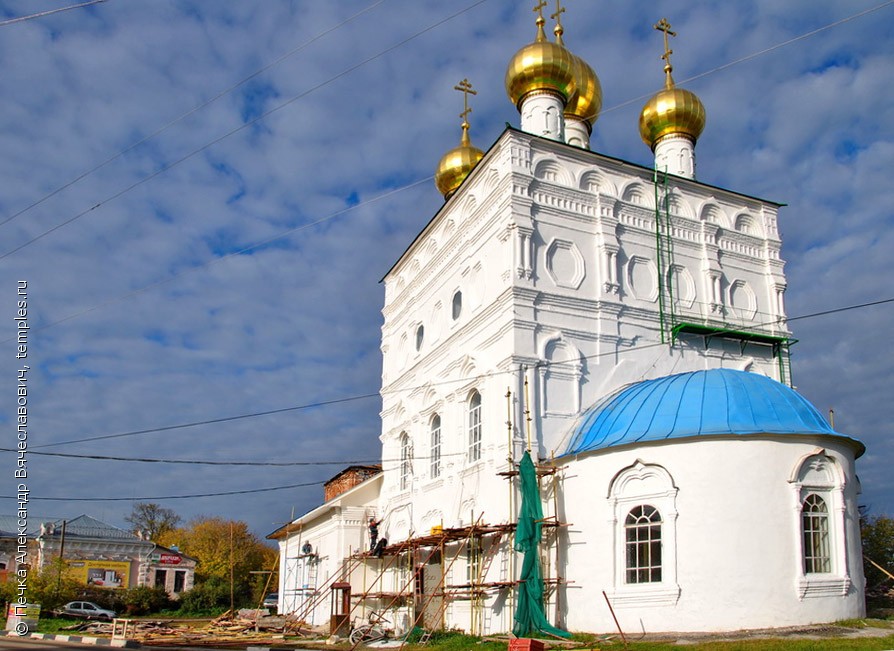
(475, 427)
(435, 446)
(404, 461)
(643, 545)
(815, 522)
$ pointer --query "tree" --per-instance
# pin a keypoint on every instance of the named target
(152, 520)
(878, 545)
(226, 550)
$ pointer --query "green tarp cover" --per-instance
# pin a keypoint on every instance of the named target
(529, 616)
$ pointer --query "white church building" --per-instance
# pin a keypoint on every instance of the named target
(627, 325)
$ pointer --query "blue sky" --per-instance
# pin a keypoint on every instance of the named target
(147, 311)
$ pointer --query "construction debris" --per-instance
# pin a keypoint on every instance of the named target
(249, 625)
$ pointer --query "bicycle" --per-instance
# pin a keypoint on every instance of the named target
(373, 631)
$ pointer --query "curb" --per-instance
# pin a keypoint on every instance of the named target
(77, 639)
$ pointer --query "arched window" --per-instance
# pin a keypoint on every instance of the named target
(420, 336)
(815, 529)
(475, 427)
(643, 545)
(404, 461)
(823, 513)
(435, 446)
(457, 307)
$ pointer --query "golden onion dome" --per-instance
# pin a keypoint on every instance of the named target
(540, 66)
(456, 164)
(586, 101)
(672, 111)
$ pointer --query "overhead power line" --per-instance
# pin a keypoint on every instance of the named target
(34, 498)
(185, 115)
(253, 121)
(366, 396)
(754, 55)
(318, 483)
(410, 185)
(212, 462)
(47, 13)
(228, 256)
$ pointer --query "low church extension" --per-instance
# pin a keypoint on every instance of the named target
(624, 326)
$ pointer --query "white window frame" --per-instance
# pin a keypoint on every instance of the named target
(405, 461)
(815, 530)
(474, 427)
(642, 525)
(435, 447)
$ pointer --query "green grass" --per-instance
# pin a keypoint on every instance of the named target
(56, 624)
(831, 644)
(459, 642)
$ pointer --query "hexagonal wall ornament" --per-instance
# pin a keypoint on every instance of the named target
(565, 264)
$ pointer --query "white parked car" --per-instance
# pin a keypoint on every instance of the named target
(86, 610)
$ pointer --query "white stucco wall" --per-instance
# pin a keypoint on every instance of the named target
(335, 531)
(735, 560)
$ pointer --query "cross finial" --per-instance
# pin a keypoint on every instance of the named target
(664, 26)
(466, 87)
(538, 9)
(558, 18)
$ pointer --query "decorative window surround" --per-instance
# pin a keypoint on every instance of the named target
(819, 474)
(633, 486)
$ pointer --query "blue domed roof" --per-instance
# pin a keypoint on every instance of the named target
(702, 403)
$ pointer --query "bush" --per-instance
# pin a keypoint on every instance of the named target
(143, 600)
(208, 596)
(51, 587)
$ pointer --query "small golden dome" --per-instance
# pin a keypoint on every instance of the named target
(586, 101)
(671, 111)
(541, 65)
(456, 164)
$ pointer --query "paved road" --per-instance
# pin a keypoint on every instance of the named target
(12, 643)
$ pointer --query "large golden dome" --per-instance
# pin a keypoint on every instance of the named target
(456, 164)
(586, 101)
(540, 66)
(671, 111)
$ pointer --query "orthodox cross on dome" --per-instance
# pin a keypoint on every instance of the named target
(466, 87)
(664, 26)
(538, 9)
(558, 18)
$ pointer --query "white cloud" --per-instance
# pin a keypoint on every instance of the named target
(298, 322)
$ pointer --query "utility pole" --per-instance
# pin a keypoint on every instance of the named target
(232, 600)
(61, 557)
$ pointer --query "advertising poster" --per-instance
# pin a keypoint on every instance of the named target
(22, 618)
(102, 574)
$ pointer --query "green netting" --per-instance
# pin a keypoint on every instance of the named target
(529, 616)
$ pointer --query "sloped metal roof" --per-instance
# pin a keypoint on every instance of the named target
(713, 402)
